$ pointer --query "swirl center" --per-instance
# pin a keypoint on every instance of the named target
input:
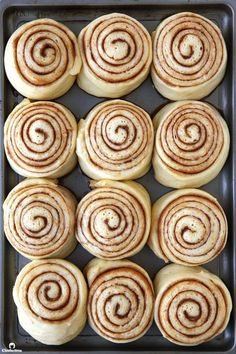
(191, 228)
(40, 131)
(189, 133)
(45, 52)
(190, 310)
(120, 131)
(50, 290)
(107, 220)
(36, 219)
(117, 48)
(118, 306)
(191, 47)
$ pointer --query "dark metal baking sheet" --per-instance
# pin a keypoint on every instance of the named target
(77, 14)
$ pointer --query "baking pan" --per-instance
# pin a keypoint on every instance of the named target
(76, 15)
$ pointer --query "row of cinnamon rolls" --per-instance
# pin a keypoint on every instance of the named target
(189, 305)
(114, 221)
(187, 141)
(114, 54)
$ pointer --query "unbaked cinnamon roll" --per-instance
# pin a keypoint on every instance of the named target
(116, 53)
(121, 299)
(189, 227)
(192, 305)
(192, 144)
(115, 141)
(39, 219)
(40, 139)
(42, 59)
(113, 220)
(189, 57)
(51, 298)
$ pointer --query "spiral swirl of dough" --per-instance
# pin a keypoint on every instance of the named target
(189, 58)
(40, 139)
(113, 220)
(192, 144)
(120, 303)
(51, 300)
(42, 59)
(192, 305)
(188, 227)
(115, 141)
(116, 53)
(39, 219)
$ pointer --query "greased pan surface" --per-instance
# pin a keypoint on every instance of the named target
(76, 15)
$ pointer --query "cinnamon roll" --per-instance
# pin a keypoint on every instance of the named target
(116, 53)
(40, 139)
(189, 227)
(42, 59)
(192, 144)
(192, 305)
(113, 220)
(120, 301)
(115, 141)
(189, 57)
(39, 219)
(51, 298)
